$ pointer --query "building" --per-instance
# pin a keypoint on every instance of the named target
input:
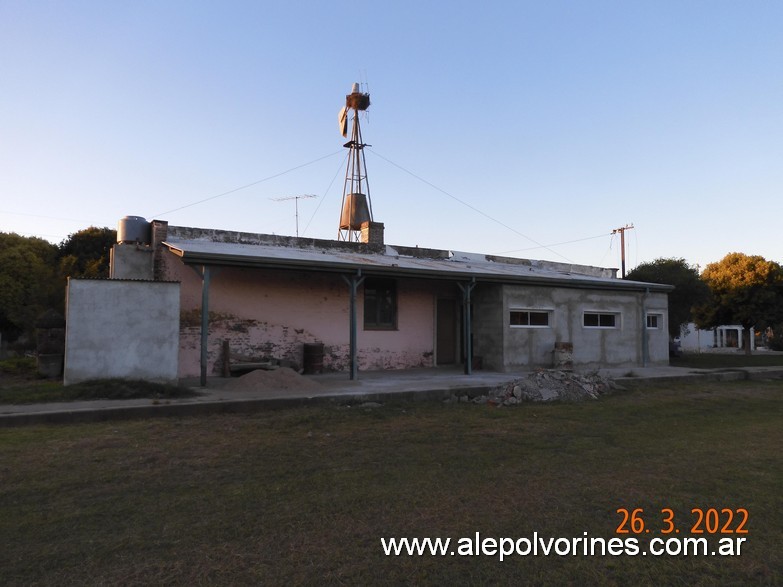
(376, 306)
(697, 340)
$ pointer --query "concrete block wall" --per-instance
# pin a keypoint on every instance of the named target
(121, 328)
(131, 261)
(489, 332)
(507, 348)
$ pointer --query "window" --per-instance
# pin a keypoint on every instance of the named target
(654, 320)
(600, 320)
(529, 318)
(380, 304)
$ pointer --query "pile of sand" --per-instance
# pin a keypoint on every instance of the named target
(282, 379)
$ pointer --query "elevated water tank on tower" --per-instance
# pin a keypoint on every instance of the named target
(355, 212)
(134, 229)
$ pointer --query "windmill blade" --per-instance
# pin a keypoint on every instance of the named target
(342, 121)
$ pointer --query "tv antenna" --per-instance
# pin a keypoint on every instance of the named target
(356, 208)
(296, 205)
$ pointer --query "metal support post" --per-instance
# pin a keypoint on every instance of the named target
(205, 274)
(645, 333)
(353, 284)
(467, 343)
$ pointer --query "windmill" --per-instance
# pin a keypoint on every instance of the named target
(356, 208)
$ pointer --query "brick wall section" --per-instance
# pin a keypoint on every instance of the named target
(160, 232)
(372, 233)
(226, 236)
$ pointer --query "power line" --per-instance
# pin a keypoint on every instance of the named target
(484, 214)
(40, 235)
(607, 251)
(326, 191)
(579, 240)
(158, 215)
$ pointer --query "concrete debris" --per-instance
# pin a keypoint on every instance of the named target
(543, 386)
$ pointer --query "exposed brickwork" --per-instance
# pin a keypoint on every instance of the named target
(160, 229)
(248, 238)
(372, 233)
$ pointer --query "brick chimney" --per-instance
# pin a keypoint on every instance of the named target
(372, 233)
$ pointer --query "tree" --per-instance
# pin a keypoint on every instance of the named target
(689, 289)
(86, 253)
(745, 290)
(33, 272)
(29, 284)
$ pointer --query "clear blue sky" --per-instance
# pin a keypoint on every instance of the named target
(495, 126)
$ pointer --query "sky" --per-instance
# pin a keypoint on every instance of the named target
(528, 129)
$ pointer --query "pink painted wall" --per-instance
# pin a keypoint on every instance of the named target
(271, 313)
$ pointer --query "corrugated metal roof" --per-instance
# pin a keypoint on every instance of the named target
(458, 266)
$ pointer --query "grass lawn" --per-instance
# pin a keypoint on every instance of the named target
(727, 360)
(303, 496)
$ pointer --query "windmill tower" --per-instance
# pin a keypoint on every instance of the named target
(356, 210)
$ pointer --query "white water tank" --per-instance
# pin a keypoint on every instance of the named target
(134, 229)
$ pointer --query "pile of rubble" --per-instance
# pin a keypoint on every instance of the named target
(545, 386)
(279, 379)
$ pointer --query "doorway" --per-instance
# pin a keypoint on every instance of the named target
(445, 331)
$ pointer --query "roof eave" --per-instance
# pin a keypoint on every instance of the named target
(201, 258)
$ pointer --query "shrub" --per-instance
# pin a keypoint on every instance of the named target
(18, 366)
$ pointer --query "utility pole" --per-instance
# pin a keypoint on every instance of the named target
(622, 230)
(296, 203)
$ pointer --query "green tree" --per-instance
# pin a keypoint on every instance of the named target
(745, 290)
(689, 289)
(29, 284)
(33, 272)
(86, 253)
